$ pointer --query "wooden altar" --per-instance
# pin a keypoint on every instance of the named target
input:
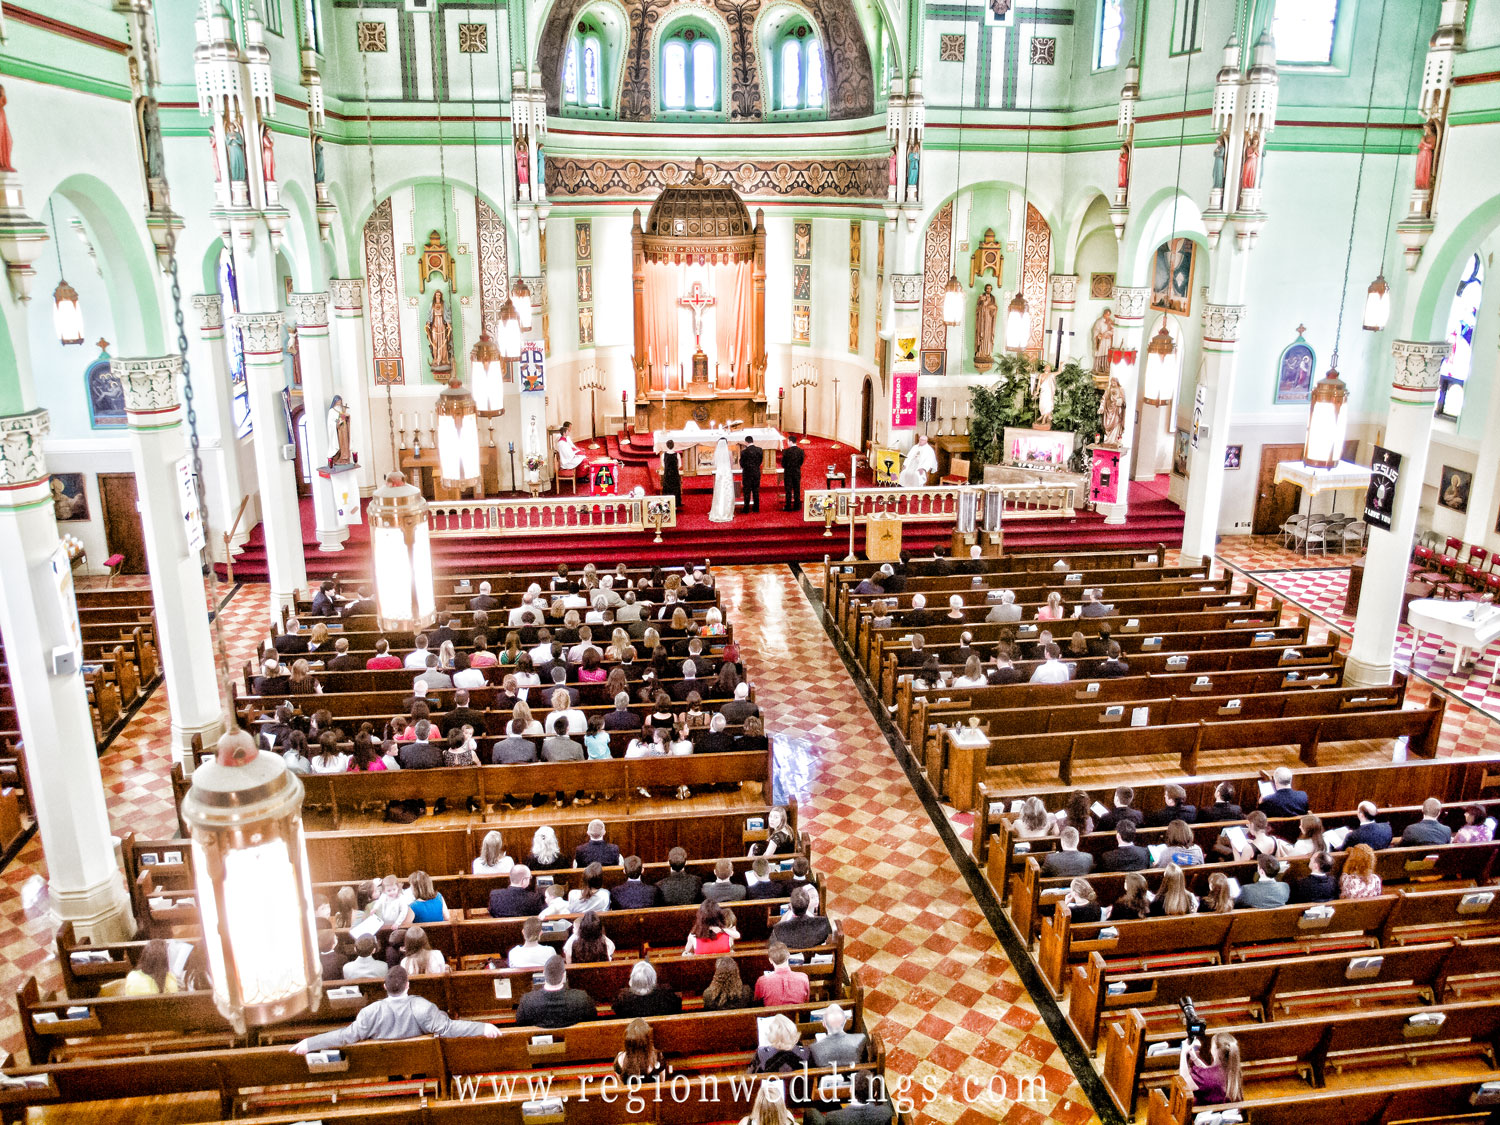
(719, 410)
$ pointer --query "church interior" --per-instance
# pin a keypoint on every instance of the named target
(571, 562)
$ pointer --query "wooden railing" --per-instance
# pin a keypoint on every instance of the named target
(934, 505)
(453, 519)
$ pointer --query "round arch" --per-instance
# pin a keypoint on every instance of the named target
(385, 191)
(1438, 273)
(1151, 225)
(1049, 215)
(302, 244)
(341, 254)
(1077, 227)
(129, 270)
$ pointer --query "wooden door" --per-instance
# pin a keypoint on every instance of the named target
(122, 520)
(866, 415)
(1275, 503)
(304, 471)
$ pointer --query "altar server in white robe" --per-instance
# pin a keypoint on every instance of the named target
(568, 454)
(921, 460)
(722, 509)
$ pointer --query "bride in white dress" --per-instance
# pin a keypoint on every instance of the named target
(722, 510)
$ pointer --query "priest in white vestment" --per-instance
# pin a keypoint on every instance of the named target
(921, 459)
(568, 454)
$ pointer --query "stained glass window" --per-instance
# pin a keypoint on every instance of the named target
(814, 75)
(591, 71)
(1111, 29)
(1304, 30)
(791, 74)
(674, 75)
(1463, 314)
(705, 75)
(570, 73)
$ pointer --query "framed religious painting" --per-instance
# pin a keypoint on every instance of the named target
(1453, 489)
(1180, 453)
(1232, 456)
(1172, 276)
(70, 498)
(105, 394)
(1294, 372)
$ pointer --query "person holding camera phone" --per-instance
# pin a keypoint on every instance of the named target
(1217, 1080)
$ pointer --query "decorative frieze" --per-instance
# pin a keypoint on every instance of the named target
(1418, 374)
(210, 310)
(1130, 303)
(22, 461)
(261, 332)
(1064, 289)
(311, 309)
(1221, 323)
(149, 382)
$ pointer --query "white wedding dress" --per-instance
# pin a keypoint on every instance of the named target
(722, 509)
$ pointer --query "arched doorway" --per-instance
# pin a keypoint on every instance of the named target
(866, 414)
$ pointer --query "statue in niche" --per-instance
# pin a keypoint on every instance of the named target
(541, 168)
(6, 144)
(234, 144)
(267, 155)
(338, 432)
(892, 176)
(523, 163)
(439, 332)
(1427, 156)
(1250, 173)
(1114, 413)
(1103, 335)
(294, 349)
(913, 169)
(213, 150)
(1221, 157)
(1123, 176)
(985, 312)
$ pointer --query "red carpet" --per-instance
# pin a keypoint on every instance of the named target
(770, 535)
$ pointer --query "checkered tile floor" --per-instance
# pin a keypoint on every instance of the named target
(941, 994)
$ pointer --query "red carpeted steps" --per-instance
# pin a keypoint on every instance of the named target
(770, 536)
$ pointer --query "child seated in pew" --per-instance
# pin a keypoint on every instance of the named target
(1217, 1080)
(388, 901)
(418, 957)
(639, 1060)
(151, 975)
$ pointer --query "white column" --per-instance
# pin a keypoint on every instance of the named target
(278, 489)
(1408, 430)
(318, 389)
(1221, 330)
(1129, 334)
(353, 373)
(1064, 310)
(213, 400)
(37, 618)
(159, 442)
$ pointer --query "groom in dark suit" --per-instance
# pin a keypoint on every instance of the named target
(791, 476)
(751, 458)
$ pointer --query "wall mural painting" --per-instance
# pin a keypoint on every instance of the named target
(383, 290)
(937, 267)
(1294, 372)
(494, 270)
(850, 75)
(105, 394)
(1172, 276)
(847, 179)
(583, 253)
(1036, 268)
(70, 498)
(856, 240)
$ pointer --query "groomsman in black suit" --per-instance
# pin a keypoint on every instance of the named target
(671, 474)
(751, 458)
(791, 476)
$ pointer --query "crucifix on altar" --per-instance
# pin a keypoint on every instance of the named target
(696, 302)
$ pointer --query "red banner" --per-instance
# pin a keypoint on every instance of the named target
(904, 399)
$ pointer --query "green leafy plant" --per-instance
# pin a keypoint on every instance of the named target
(1077, 406)
(1008, 403)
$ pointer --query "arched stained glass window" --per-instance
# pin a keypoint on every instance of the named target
(690, 70)
(674, 75)
(586, 66)
(591, 71)
(1304, 30)
(570, 73)
(797, 60)
(705, 75)
(791, 73)
(1463, 315)
(815, 75)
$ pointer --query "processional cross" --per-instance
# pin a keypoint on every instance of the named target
(695, 302)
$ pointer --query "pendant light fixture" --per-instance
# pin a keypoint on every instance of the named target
(1378, 296)
(400, 540)
(244, 809)
(953, 294)
(1018, 312)
(66, 317)
(1326, 420)
(486, 364)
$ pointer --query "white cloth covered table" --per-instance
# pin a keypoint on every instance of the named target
(1345, 476)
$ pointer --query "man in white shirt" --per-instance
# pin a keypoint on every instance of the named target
(921, 460)
(1052, 670)
(416, 659)
(568, 454)
(541, 652)
(533, 954)
(585, 642)
(398, 1016)
(469, 678)
(526, 613)
(612, 599)
(629, 610)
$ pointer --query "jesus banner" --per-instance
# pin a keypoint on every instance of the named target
(904, 399)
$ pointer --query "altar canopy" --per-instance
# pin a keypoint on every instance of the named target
(700, 282)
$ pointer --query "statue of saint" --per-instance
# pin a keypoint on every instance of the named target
(6, 144)
(985, 313)
(1103, 336)
(319, 176)
(1046, 399)
(541, 169)
(1123, 180)
(1113, 415)
(338, 432)
(234, 144)
(1221, 156)
(1250, 173)
(267, 155)
(893, 166)
(439, 333)
(523, 163)
(1427, 156)
(213, 149)
(913, 169)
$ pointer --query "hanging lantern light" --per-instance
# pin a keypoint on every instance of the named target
(458, 437)
(520, 296)
(487, 375)
(1327, 422)
(1163, 366)
(66, 317)
(1377, 304)
(244, 815)
(953, 303)
(508, 331)
(1017, 323)
(401, 544)
(1122, 364)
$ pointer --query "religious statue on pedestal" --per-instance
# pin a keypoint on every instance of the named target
(338, 432)
(1113, 414)
(1250, 172)
(1123, 177)
(319, 173)
(267, 155)
(1046, 399)
(439, 333)
(985, 313)
(1103, 335)
(523, 164)
(913, 170)
(6, 144)
(1221, 157)
(234, 144)
(1427, 156)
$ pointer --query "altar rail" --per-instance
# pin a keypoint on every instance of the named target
(935, 505)
(453, 519)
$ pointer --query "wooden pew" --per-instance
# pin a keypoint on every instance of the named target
(1437, 1099)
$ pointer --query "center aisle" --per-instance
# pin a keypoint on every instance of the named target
(944, 998)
